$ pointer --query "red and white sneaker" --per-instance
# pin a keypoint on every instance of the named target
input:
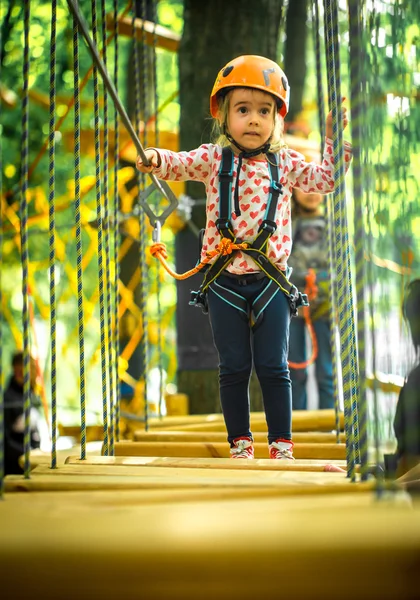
(242, 448)
(281, 449)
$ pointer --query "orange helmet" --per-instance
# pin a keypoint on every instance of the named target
(253, 72)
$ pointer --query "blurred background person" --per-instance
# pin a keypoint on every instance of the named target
(14, 418)
(309, 260)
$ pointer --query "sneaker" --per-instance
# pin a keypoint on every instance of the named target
(281, 449)
(242, 448)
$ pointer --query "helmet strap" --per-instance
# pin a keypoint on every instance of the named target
(243, 151)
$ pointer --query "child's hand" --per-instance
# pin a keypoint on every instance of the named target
(153, 158)
(328, 124)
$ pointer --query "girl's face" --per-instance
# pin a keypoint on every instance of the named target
(250, 119)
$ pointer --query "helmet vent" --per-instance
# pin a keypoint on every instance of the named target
(227, 71)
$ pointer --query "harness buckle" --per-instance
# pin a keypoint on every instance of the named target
(269, 226)
(276, 187)
(223, 225)
(199, 299)
(297, 299)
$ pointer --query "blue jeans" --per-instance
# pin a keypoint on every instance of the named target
(239, 347)
(323, 364)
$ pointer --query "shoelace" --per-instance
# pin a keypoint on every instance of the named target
(242, 449)
(277, 451)
(282, 454)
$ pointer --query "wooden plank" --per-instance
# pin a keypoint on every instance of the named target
(92, 501)
(39, 457)
(153, 34)
(218, 436)
(221, 450)
(302, 420)
(181, 551)
(284, 483)
(209, 463)
(197, 476)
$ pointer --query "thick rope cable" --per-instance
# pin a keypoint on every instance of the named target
(369, 183)
(342, 279)
(107, 243)
(100, 239)
(225, 246)
(158, 281)
(24, 242)
(144, 281)
(1, 298)
(358, 114)
(79, 250)
(332, 288)
(52, 245)
(354, 360)
(140, 103)
(116, 333)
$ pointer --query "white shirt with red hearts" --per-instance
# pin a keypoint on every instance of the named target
(203, 164)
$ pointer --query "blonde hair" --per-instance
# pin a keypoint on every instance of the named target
(220, 124)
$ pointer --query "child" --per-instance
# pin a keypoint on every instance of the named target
(310, 252)
(14, 418)
(407, 415)
(249, 176)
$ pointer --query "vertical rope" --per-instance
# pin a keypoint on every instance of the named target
(331, 250)
(116, 333)
(342, 278)
(369, 183)
(158, 281)
(354, 361)
(139, 96)
(79, 250)
(107, 244)
(358, 113)
(1, 297)
(24, 240)
(52, 248)
(143, 246)
(100, 237)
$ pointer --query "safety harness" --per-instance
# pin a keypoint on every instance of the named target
(257, 249)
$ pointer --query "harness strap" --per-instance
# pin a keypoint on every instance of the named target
(258, 249)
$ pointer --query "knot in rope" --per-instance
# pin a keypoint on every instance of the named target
(227, 246)
(158, 248)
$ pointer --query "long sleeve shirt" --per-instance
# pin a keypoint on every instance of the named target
(203, 164)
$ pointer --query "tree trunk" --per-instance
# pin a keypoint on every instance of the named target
(214, 33)
(295, 54)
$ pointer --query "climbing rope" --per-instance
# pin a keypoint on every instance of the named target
(140, 108)
(102, 308)
(108, 306)
(52, 244)
(358, 112)
(354, 360)
(226, 246)
(24, 241)
(1, 297)
(115, 330)
(79, 252)
(155, 118)
(340, 236)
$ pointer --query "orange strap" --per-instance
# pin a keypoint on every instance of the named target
(225, 246)
(311, 290)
